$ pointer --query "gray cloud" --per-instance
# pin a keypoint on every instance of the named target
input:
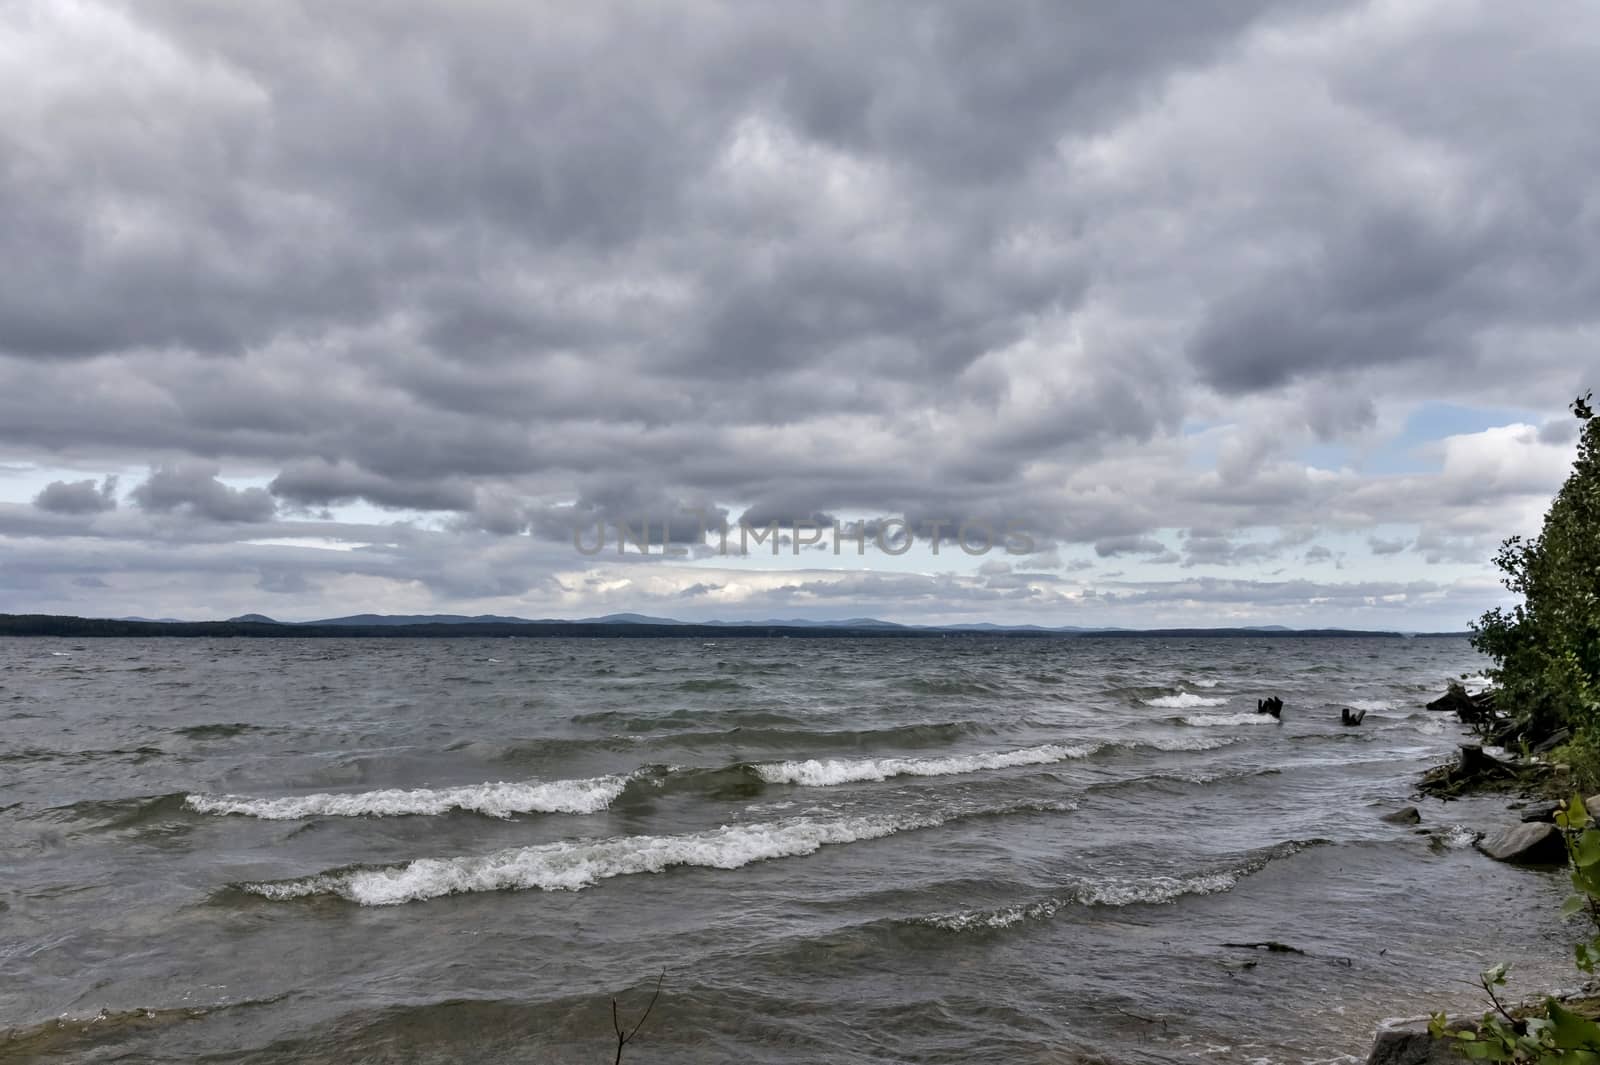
(318, 483)
(1113, 546)
(193, 488)
(78, 497)
(1104, 269)
(1381, 546)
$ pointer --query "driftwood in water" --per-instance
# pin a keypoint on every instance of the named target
(1273, 706)
(1471, 709)
(1351, 718)
(1269, 945)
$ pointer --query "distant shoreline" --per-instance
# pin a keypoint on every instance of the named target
(84, 628)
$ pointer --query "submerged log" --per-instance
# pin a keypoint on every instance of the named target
(1271, 945)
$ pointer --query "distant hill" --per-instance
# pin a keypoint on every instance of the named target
(477, 619)
(628, 619)
(616, 625)
(369, 620)
(807, 623)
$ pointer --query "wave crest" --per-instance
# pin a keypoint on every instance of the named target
(575, 865)
(1185, 700)
(1214, 720)
(1117, 892)
(823, 773)
(499, 799)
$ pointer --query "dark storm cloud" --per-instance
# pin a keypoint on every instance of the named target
(315, 483)
(193, 488)
(78, 497)
(570, 235)
(536, 269)
(785, 517)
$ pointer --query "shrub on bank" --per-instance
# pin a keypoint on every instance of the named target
(1546, 649)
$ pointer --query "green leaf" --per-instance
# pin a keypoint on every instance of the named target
(1575, 904)
(1586, 851)
(1571, 1031)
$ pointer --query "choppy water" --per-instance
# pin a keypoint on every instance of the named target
(959, 850)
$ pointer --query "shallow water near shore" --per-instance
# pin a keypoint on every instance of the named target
(944, 850)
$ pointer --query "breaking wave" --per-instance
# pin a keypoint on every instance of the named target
(1115, 891)
(1184, 700)
(1211, 720)
(822, 773)
(575, 865)
(495, 800)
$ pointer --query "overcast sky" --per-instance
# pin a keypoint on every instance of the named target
(1248, 312)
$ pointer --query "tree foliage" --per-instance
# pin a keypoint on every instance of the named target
(1547, 648)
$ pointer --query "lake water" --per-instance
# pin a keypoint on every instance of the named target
(968, 849)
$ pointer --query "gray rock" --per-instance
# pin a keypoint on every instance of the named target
(1540, 811)
(1530, 843)
(1408, 1043)
(1406, 815)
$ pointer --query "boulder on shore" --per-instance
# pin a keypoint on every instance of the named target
(1530, 843)
(1409, 1043)
(1406, 815)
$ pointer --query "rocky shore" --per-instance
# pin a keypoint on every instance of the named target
(1534, 786)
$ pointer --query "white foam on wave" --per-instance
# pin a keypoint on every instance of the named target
(495, 800)
(1457, 837)
(827, 772)
(1185, 743)
(1117, 891)
(1103, 891)
(1184, 700)
(1205, 682)
(1373, 705)
(1215, 720)
(575, 865)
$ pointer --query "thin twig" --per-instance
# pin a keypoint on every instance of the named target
(624, 1038)
(1489, 990)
